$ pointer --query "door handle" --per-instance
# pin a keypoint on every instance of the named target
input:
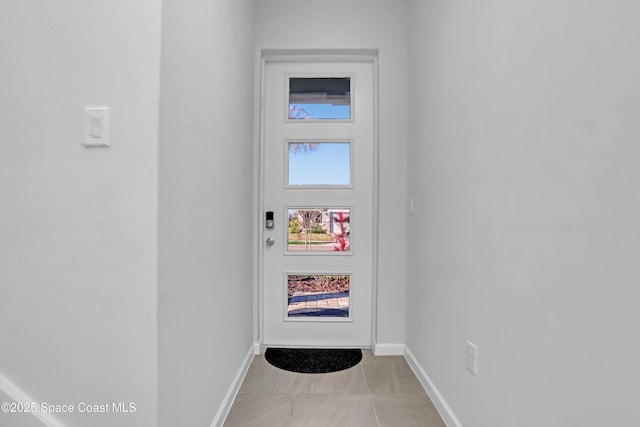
(270, 241)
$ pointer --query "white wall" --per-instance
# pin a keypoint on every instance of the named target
(78, 226)
(363, 24)
(206, 205)
(523, 157)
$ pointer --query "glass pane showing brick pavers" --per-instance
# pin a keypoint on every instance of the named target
(318, 295)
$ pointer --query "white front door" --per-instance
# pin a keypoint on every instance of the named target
(317, 191)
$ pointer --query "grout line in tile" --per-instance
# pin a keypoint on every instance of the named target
(375, 412)
(293, 402)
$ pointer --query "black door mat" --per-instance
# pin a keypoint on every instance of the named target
(313, 360)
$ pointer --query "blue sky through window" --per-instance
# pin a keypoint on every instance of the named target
(327, 164)
(323, 111)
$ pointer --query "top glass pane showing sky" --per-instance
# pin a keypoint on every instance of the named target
(319, 98)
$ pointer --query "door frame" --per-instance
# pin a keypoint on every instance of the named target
(307, 55)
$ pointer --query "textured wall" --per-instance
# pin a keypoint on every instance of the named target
(524, 145)
(206, 205)
(78, 226)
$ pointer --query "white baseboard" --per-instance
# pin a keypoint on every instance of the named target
(225, 407)
(388, 349)
(15, 393)
(445, 411)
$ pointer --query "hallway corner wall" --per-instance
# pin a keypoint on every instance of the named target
(206, 206)
(78, 226)
(523, 144)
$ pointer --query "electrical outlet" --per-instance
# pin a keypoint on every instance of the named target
(472, 358)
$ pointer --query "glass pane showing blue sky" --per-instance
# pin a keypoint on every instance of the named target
(319, 98)
(321, 163)
(319, 111)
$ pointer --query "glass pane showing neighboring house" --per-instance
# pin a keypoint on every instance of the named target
(319, 230)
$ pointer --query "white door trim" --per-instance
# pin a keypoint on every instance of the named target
(311, 55)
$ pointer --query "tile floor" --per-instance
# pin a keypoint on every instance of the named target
(378, 392)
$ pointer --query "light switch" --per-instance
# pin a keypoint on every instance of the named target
(96, 126)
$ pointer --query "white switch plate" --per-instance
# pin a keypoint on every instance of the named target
(412, 205)
(96, 126)
(472, 358)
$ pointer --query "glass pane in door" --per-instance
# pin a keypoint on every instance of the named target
(318, 163)
(318, 295)
(319, 230)
(319, 98)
